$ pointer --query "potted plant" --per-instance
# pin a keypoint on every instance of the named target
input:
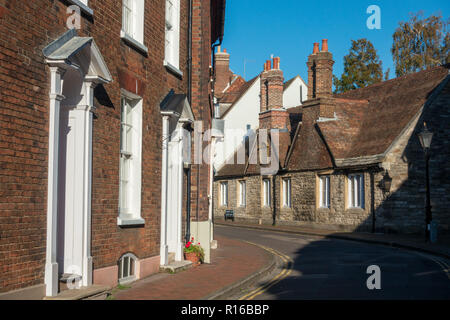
(194, 252)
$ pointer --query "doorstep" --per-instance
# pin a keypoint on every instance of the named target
(93, 292)
(176, 266)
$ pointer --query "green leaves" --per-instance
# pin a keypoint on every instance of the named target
(420, 44)
(362, 67)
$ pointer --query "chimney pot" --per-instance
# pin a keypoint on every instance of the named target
(269, 65)
(224, 50)
(276, 63)
(218, 49)
(316, 48)
(325, 45)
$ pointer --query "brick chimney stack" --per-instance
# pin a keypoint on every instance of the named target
(223, 74)
(272, 114)
(320, 103)
(320, 72)
(272, 80)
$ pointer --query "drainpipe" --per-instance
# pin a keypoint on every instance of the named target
(211, 182)
(190, 52)
(187, 170)
(165, 145)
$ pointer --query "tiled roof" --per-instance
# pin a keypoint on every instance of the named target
(234, 91)
(367, 122)
(368, 128)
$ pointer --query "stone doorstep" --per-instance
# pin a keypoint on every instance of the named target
(176, 266)
(93, 292)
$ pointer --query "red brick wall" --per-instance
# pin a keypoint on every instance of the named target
(222, 73)
(26, 27)
(201, 101)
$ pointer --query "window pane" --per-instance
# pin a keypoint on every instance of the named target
(358, 191)
(267, 192)
(120, 268)
(353, 202)
(128, 17)
(169, 14)
(289, 192)
(131, 267)
(126, 266)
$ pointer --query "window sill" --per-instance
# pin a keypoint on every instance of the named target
(173, 69)
(356, 210)
(133, 43)
(83, 7)
(128, 220)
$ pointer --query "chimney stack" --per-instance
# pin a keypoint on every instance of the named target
(223, 74)
(271, 86)
(272, 113)
(320, 72)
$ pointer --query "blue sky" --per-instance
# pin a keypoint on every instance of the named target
(255, 29)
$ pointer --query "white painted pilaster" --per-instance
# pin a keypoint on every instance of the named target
(87, 183)
(51, 265)
(179, 248)
(165, 145)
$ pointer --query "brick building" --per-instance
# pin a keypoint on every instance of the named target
(349, 161)
(86, 115)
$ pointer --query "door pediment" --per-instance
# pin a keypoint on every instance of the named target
(81, 53)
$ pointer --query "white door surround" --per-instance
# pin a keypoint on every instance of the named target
(176, 150)
(76, 67)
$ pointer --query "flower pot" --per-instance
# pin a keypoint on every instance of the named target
(192, 256)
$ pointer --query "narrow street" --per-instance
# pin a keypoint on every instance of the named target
(337, 269)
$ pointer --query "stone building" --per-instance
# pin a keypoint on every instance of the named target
(92, 97)
(349, 161)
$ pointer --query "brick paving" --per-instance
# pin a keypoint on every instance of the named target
(232, 262)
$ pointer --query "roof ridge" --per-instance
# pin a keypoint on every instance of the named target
(397, 79)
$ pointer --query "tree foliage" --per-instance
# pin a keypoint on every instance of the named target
(362, 67)
(420, 43)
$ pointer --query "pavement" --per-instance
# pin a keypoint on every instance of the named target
(237, 264)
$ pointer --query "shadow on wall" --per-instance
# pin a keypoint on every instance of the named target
(404, 209)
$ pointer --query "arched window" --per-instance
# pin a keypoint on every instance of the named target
(127, 268)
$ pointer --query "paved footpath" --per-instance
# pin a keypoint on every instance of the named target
(232, 262)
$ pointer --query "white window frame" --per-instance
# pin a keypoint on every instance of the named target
(266, 193)
(355, 191)
(134, 34)
(130, 261)
(131, 156)
(172, 36)
(287, 192)
(224, 194)
(242, 193)
(324, 191)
